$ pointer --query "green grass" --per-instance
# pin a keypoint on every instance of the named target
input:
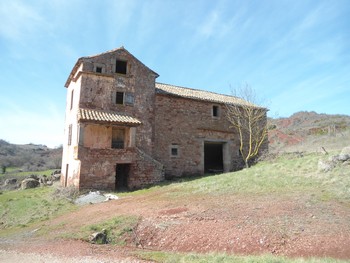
(286, 175)
(118, 229)
(15, 172)
(168, 257)
(25, 207)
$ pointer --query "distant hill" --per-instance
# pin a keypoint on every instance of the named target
(29, 157)
(309, 131)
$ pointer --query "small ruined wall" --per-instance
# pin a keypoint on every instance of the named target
(147, 171)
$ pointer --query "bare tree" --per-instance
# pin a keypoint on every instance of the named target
(250, 121)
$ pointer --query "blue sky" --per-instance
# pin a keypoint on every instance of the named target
(294, 54)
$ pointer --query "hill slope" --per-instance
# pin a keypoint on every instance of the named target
(308, 131)
(29, 157)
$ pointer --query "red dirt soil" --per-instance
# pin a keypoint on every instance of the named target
(291, 226)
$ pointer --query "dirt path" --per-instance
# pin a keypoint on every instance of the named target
(291, 226)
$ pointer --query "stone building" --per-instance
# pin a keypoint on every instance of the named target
(123, 130)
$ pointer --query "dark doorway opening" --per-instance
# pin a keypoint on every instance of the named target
(213, 157)
(121, 177)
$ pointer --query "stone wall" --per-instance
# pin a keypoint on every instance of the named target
(98, 168)
(98, 91)
(189, 124)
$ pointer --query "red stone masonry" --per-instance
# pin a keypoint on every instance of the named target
(161, 130)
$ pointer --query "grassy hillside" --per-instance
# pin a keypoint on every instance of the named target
(19, 209)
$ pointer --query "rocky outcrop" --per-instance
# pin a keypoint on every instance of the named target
(29, 183)
(99, 237)
(333, 161)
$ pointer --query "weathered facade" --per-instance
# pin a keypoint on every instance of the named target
(124, 130)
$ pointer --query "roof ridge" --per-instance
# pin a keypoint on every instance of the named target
(105, 52)
(198, 94)
(201, 90)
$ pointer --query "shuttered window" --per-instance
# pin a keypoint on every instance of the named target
(70, 134)
(118, 138)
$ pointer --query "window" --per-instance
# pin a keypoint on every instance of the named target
(119, 98)
(70, 134)
(118, 138)
(215, 111)
(129, 98)
(120, 66)
(174, 150)
(71, 99)
(99, 69)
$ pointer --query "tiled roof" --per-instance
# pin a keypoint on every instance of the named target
(198, 94)
(106, 116)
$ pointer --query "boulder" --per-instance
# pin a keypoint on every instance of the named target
(49, 183)
(10, 181)
(55, 177)
(56, 172)
(34, 176)
(344, 154)
(345, 150)
(29, 183)
(346, 163)
(99, 237)
(325, 165)
(42, 179)
(333, 158)
(343, 157)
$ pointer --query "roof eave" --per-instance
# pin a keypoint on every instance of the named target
(73, 72)
(112, 123)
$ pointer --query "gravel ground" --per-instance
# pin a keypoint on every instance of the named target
(16, 257)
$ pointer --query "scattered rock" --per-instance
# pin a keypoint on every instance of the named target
(94, 198)
(99, 237)
(10, 181)
(346, 150)
(10, 184)
(42, 180)
(346, 162)
(56, 172)
(49, 183)
(343, 157)
(111, 197)
(55, 177)
(334, 160)
(325, 165)
(345, 154)
(29, 183)
(34, 176)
